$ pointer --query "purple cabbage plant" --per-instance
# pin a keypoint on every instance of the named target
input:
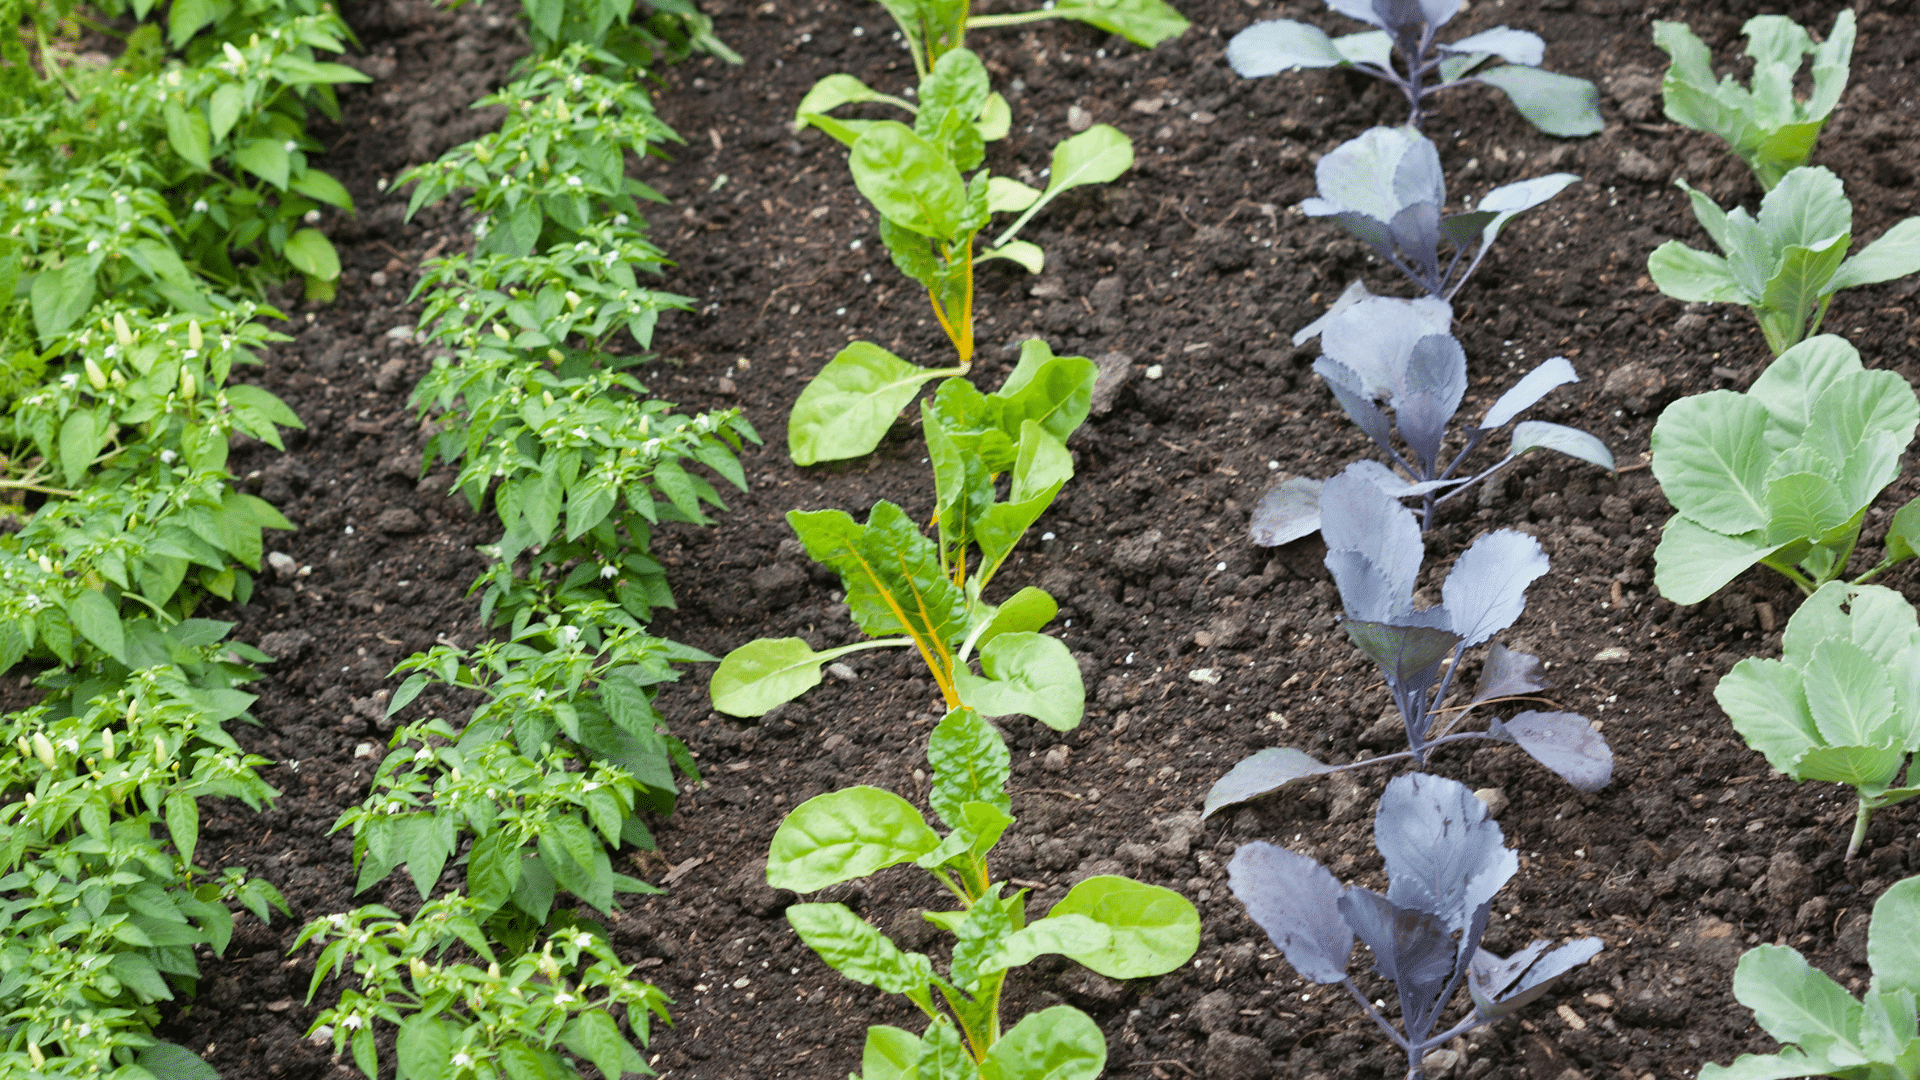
(1404, 30)
(1385, 187)
(1374, 553)
(1383, 349)
(1445, 860)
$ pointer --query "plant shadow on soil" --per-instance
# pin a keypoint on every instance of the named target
(1194, 262)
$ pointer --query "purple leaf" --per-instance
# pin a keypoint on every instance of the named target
(1394, 484)
(1490, 975)
(1295, 900)
(1506, 673)
(1416, 232)
(1288, 511)
(1411, 948)
(1375, 338)
(1540, 976)
(1403, 652)
(1262, 774)
(1365, 592)
(1355, 515)
(1351, 295)
(1368, 229)
(1418, 179)
(1357, 9)
(1524, 394)
(1487, 588)
(1431, 385)
(1444, 855)
(1352, 396)
(1513, 46)
(1563, 742)
(1535, 434)
(1510, 199)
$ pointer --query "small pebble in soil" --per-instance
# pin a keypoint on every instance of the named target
(1205, 675)
(841, 672)
(282, 562)
(1154, 371)
(1495, 798)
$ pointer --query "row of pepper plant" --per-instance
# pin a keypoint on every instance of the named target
(534, 399)
(146, 201)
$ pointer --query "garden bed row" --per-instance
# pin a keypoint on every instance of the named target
(1184, 278)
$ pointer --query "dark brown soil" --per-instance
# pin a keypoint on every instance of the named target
(1193, 262)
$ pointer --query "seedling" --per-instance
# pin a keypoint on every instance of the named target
(930, 594)
(1767, 126)
(1373, 551)
(1119, 927)
(1786, 264)
(1399, 352)
(1782, 475)
(1828, 1031)
(1556, 104)
(1385, 187)
(1445, 860)
(1842, 703)
(930, 216)
(934, 28)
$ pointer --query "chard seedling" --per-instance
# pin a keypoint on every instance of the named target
(1827, 1031)
(929, 217)
(1383, 349)
(1385, 187)
(907, 590)
(1842, 704)
(934, 28)
(1786, 264)
(1768, 126)
(1445, 860)
(1121, 928)
(1405, 29)
(1782, 475)
(1374, 551)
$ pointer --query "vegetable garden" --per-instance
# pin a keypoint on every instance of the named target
(521, 521)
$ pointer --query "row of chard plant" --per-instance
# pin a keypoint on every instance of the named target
(503, 970)
(1782, 475)
(145, 201)
(999, 459)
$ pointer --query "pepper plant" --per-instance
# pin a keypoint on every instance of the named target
(1374, 552)
(1786, 263)
(931, 593)
(1401, 51)
(1842, 704)
(1398, 352)
(930, 214)
(1445, 861)
(458, 1019)
(1385, 187)
(1768, 126)
(1782, 475)
(1120, 928)
(549, 773)
(1825, 1031)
